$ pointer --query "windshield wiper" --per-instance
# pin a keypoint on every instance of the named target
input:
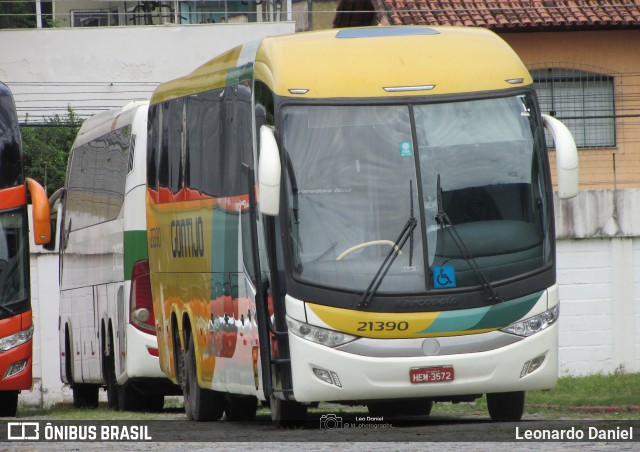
(445, 224)
(406, 234)
(7, 309)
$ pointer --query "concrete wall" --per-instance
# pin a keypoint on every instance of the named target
(93, 69)
(48, 389)
(599, 276)
(600, 305)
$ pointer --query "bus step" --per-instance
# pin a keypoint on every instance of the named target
(281, 361)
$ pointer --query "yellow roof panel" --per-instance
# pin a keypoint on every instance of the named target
(453, 60)
(362, 62)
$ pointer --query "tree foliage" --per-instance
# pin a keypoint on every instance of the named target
(46, 148)
(18, 14)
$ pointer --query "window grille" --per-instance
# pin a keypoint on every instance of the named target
(94, 18)
(583, 101)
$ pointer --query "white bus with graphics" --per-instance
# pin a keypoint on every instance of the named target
(333, 223)
(107, 328)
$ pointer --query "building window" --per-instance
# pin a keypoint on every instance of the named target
(94, 18)
(583, 101)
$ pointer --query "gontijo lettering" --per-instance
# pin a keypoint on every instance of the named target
(187, 237)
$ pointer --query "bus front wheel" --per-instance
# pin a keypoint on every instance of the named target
(8, 403)
(506, 406)
(287, 413)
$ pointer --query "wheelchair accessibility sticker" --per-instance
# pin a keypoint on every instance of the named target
(444, 276)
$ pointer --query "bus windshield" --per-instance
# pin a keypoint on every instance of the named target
(10, 155)
(356, 174)
(13, 259)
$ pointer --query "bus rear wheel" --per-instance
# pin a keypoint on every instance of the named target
(199, 404)
(241, 408)
(130, 399)
(8, 403)
(112, 384)
(506, 406)
(85, 395)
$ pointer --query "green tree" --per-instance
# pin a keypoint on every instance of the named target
(46, 148)
(21, 14)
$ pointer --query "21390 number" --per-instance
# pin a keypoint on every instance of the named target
(383, 326)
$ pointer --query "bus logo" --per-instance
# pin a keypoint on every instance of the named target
(23, 431)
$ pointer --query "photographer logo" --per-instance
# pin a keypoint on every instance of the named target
(330, 422)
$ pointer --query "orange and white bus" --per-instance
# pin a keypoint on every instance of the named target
(361, 215)
(16, 320)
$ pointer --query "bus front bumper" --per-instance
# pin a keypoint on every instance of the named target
(370, 378)
(16, 368)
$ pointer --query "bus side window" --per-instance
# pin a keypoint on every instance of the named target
(153, 144)
(204, 116)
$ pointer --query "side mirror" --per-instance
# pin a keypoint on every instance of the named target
(41, 213)
(55, 206)
(566, 157)
(269, 172)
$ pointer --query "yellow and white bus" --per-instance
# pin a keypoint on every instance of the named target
(106, 326)
(361, 215)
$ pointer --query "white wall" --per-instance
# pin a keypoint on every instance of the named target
(599, 282)
(90, 69)
(48, 389)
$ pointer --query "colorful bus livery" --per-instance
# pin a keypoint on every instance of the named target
(377, 223)
(16, 319)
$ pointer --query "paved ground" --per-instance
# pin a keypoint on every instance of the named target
(346, 433)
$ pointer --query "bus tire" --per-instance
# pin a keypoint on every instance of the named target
(85, 395)
(8, 403)
(112, 383)
(199, 404)
(68, 365)
(152, 403)
(241, 408)
(287, 413)
(406, 407)
(506, 406)
(130, 399)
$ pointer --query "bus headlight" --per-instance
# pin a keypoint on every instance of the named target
(322, 336)
(534, 324)
(9, 342)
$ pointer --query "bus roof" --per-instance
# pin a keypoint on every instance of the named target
(106, 121)
(364, 62)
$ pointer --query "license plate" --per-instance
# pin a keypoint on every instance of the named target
(431, 374)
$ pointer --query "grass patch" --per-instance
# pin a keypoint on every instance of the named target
(592, 390)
